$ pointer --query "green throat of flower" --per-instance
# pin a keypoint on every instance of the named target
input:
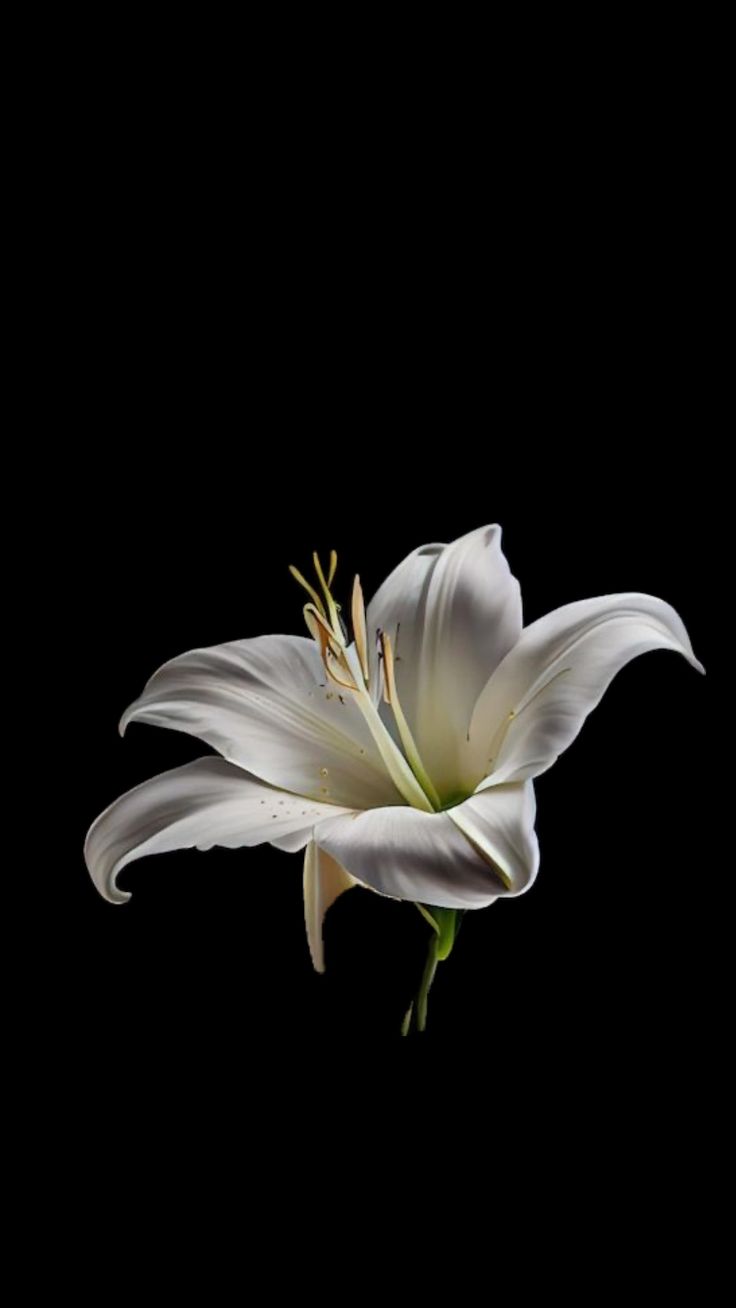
(348, 667)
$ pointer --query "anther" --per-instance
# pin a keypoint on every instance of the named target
(359, 629)
(296, 574)
(389, 681)
(331, 606)
(322, 632)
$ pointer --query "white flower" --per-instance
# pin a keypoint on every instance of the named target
(403, 761)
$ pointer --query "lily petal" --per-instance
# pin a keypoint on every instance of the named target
(324, 881)
(452, 612)
(499, 823)
(425, 857)
(537, 700)
(205, 803)
(261, 705)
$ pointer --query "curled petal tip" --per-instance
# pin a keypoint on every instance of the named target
(125, 720)
(689, 654)
(106, 886)
(115, 896)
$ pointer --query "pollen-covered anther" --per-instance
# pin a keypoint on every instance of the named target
(334, 655)
(320, 630)
(338, 669)
(389, 674)
(348, 669)
(315, 598)
(359, 627)
(313, 626)
(332, 608)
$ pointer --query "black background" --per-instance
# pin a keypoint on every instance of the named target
(260, 352)
(209, 960)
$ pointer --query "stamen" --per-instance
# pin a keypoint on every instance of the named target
(381, 687)
(318, 570)
(319, 628)
(334, 655)
(343, 625)
(333, 567)
(331, 636)
(296, 574)
(331, 605)
(407, 740)
(398, 769)
(335, 664)
(359, 629)
(313, 626)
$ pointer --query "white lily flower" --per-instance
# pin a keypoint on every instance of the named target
(403, 761)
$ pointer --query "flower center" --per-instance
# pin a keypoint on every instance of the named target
(348, 666)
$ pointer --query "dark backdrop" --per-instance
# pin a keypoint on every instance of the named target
(247, 382)
(192, 547)
(361, 291)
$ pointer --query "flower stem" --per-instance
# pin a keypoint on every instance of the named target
(430, 967)
(445, 923)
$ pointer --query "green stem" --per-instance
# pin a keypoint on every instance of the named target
(430, 967)
(445, 924)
